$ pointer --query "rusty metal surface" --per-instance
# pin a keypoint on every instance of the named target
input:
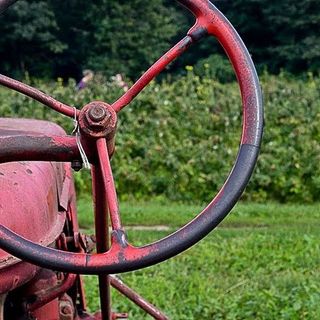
(37, 148)
(98, 120)
(49, 311)
(36, 140)
(37, 183)
(32, 140)
(36, 215)
(108, 188)
(152, 72)
(102, 237)
(47, 293)
(15, 275)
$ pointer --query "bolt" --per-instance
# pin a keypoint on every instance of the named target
(98, 113)
(66, 309)
(89, 242)
(76, 165)
(97, 119)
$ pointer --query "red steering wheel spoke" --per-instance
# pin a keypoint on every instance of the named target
(108, 184)
(39, 96)
(152, 72)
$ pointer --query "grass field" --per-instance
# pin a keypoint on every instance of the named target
(262, 263)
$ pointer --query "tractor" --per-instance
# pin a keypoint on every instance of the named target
(43, 253)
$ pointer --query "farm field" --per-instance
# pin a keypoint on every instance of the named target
(262, 263)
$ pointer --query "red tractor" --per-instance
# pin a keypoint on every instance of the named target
(43, 252)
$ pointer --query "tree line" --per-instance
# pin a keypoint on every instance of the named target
(55, 38)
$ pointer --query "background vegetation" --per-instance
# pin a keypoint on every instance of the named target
(178, 140)
(60, 38)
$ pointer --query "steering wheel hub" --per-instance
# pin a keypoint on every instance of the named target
(98, 120)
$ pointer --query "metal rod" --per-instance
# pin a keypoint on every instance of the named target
(43, 297)
(152, 72)
(137, 299)
(38, 95)
(102, 237)
(108, 182)
(23, 147)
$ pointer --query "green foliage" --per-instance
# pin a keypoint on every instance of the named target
(66, 36)
(281, 34)
(288, 167)
(29, 33)
(216, 67)
(178, 140)
(60, 38)
(130, 36)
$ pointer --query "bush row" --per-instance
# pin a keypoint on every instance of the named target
(179, 139)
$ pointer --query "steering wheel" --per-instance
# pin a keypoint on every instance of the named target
(97, 122)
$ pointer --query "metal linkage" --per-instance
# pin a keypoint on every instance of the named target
(46, 295)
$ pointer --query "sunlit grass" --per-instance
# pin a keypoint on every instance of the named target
(176, 214)
(263, 264)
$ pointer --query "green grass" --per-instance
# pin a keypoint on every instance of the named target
(262, 264)
(176, 214)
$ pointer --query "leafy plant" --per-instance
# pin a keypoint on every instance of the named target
(178, 140)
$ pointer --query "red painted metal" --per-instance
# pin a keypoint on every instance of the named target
(37, 182)
(108, 184)
(50, 311)
(38, 95)
(102, 236)
(49, 293)
(152, 72)
(54, 242)
(15, 275)
(137, 299)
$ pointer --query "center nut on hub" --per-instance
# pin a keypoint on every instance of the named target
(98, 120)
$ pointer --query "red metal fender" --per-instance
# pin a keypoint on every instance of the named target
(33, 199)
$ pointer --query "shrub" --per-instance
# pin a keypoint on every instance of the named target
(179, 139)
